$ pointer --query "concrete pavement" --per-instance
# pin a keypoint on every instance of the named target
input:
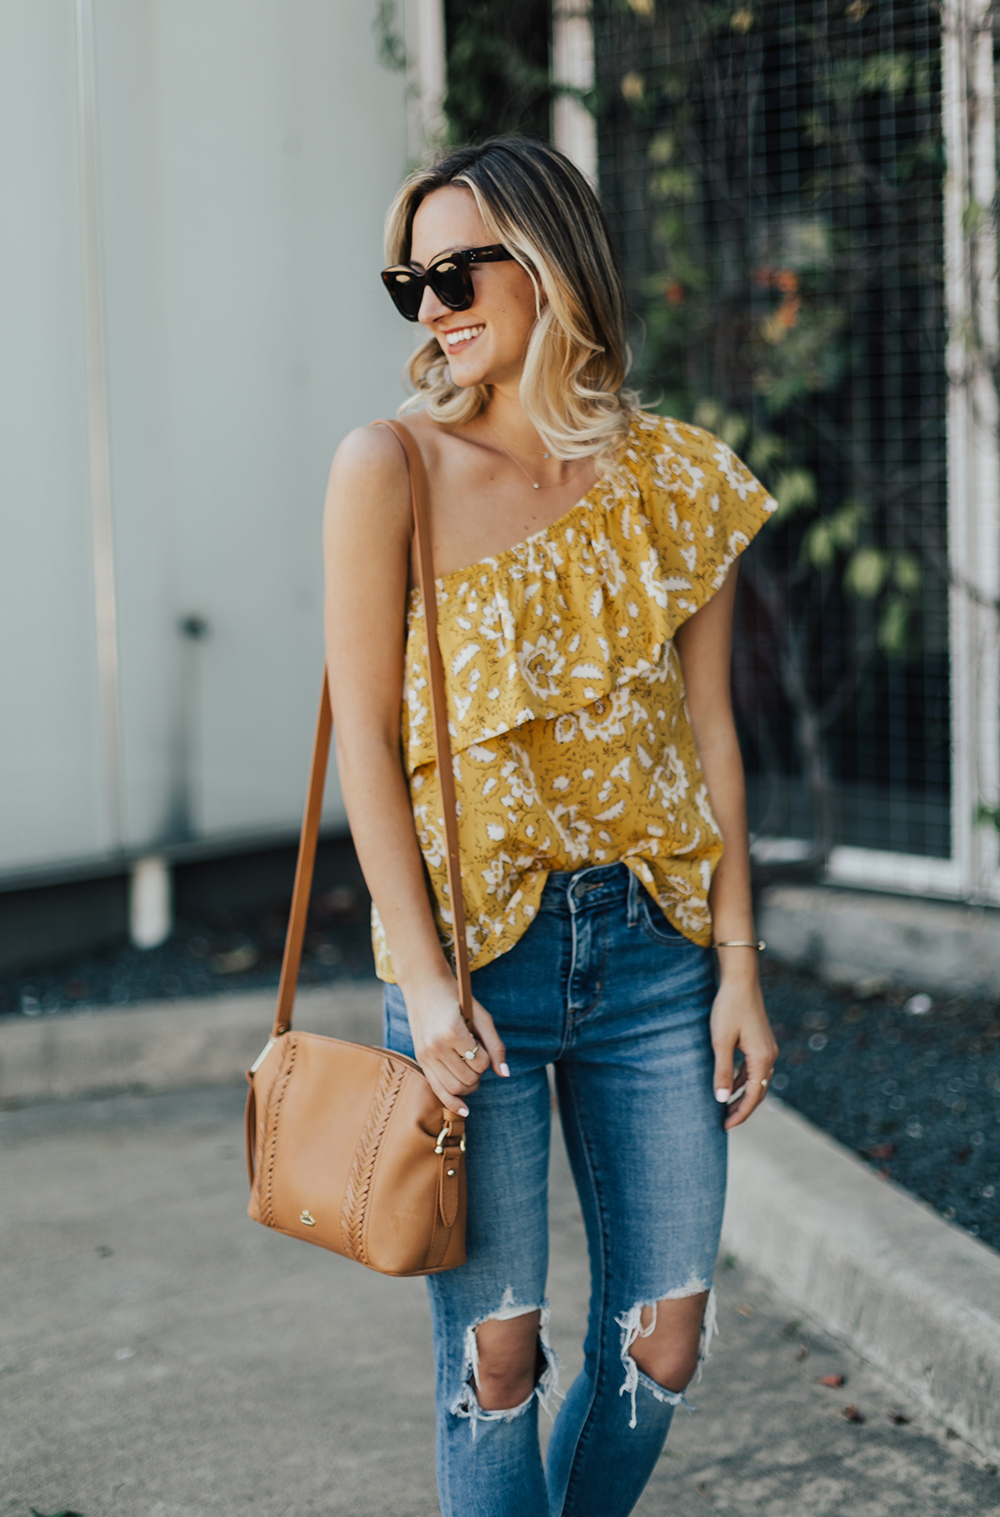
(165, 1357)
(915, 1296)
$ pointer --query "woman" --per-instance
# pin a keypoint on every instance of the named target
(585, 559)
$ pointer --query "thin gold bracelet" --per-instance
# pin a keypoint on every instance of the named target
(760, 945)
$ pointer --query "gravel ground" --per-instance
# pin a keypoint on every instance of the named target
(218, 951)
(912, 1085)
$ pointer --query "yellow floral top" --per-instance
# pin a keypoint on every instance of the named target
(569, 729)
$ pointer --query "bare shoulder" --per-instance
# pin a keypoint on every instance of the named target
(369, 480)
(371, 456)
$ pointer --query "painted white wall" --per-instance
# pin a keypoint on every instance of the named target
(49, 752)
(248, 149)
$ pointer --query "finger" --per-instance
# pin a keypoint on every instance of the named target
(468, 1044)
(722, 1080)
(459, 1071)
(447, 1052)
(451, 1100)
(754, 1091)
(490, 1039)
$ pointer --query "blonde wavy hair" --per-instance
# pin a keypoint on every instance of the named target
(543, 210)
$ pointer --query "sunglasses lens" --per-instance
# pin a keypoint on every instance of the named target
(406, 290)
(451, 284)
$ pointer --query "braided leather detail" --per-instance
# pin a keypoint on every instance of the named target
(359, 1181)
(271, 1139)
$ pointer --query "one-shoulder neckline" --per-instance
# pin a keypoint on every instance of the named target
(495, 560)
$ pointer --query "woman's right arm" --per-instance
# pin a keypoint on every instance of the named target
(367, 554)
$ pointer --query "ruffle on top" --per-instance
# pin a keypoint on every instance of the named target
(569, 733)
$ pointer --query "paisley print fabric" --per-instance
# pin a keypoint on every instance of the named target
(569, 730)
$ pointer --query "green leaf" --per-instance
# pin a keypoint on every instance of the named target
(661, 149)
(674, 184)
(818, 547)
(907, 574)
(733, 430)
(731, 426)
(987, 816)
(865, 573)
(887, 71)
(892, 627)
(388, 37)
(633, 87)
(795, 490)
(708, 414)
(844, 525)
(765, 450)
(973, 218)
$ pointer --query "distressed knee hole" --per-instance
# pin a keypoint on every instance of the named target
(679, 1363)
(500, 1378)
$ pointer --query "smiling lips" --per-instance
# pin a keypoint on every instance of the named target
(458, 337)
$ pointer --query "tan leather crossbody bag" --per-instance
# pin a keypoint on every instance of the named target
(347, 1145)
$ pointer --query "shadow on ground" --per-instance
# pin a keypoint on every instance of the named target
(164, 1357)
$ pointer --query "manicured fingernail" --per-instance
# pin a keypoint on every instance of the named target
(722, 1095)
(463, 1111)
(505, 1071)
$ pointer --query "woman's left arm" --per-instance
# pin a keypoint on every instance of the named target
(739, 1020)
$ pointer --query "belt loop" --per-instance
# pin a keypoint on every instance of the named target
(633, 897)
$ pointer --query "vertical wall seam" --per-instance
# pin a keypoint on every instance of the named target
(102, 527)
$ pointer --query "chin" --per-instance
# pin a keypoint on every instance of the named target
(465, 376)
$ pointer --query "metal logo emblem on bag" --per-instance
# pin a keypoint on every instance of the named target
(308, 1218)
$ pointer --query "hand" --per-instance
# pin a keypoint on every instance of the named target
(739, 1020)
(441, 1037)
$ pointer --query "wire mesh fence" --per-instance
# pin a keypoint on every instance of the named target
(774, 176)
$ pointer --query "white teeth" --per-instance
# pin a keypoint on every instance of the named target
(454, 338)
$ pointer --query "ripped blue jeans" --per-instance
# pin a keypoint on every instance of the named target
(605, 990)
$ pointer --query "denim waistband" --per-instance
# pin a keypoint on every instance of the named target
(600, 885)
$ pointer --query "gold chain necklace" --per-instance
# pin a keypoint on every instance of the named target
(514, 459)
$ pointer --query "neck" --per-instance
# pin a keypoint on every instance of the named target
(506, 414)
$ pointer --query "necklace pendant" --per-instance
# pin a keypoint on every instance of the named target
(537, 486)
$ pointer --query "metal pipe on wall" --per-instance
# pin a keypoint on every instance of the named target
(102, 529)
(969, 122)
(574, 130)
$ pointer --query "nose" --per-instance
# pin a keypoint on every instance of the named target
(431, 308)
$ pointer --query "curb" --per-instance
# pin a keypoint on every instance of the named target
(164, 1046)
(845, 936)
(868, 1263)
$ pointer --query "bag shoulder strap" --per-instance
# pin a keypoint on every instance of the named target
(309, 837)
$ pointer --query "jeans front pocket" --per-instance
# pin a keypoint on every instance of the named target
(657, 927)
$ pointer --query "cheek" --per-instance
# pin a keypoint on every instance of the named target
(517, 322)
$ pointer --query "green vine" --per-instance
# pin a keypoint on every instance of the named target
(389, 44)
(749, 317)
(498, 68)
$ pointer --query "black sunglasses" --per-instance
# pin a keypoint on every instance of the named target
(448, 276)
